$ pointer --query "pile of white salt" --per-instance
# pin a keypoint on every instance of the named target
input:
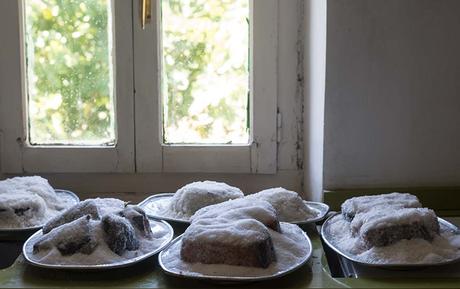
(29, 202)
(444, 247)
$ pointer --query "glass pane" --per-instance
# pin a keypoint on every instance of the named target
(205, 80)
(69, 72)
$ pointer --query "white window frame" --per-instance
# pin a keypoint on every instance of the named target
(18, 156)
(259, 156)
(139, 147)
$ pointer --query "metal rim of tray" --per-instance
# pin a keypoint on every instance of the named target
(231, 279)
(28, 245)
(321, 207)
(325, 236)
(35, 228)
(155, 197)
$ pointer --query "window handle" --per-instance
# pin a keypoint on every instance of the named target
(146, 12)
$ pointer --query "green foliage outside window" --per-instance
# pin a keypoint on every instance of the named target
(206, 79)
(69, 71)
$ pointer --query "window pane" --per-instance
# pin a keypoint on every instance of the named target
(69, 72)
(205, 80)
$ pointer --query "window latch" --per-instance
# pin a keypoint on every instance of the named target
(146, 12)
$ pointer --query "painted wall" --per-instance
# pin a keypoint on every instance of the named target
(392, 113)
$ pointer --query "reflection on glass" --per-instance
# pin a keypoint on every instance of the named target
(69, 72)
(205, 80)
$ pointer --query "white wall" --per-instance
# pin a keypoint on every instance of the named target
(392, 115)
(314, 65)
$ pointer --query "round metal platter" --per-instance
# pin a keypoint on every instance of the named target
(329, 239)
(157, 226)
(264, 274)
(156, 206)
(23, 233)
(322, 208)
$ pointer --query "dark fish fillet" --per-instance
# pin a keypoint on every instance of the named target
(71, 238)
(385, 227)
(119, 234)
(258, 254)
(84, 208)
(389, 235)
(137, 217)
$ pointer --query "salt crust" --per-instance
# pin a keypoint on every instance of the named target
(288, 204)
(443, 248)
(76, 231)
(102, 254)
(239, 222)
(291, 250)
(386, 217)
(109, 205)
(222, 231)
(194, 196)
(364, 204)
(186, 201)
(238, 209)
(34, 193)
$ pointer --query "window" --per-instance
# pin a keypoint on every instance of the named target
(205, 71)
(26, 144)
(69, 73)
(89, 90)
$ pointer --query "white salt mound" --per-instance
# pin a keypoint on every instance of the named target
(238, 209)
(291, 250)
(109, 205)
(192, 197)
(28, 202)
(387, 217)
(234, 232)
(77, 231)
(102, 254)
(33, 185)
(364, 204)
(288, 204)
(21, 210)
(444, 247)
(234, 221)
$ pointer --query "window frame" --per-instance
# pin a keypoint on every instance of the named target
(139, 148)
(18, 155)
(260, 155)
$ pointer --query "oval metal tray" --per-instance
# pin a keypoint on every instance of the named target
(24, 233)
(329, 240)
(322, 208)
(156, 225)
(156, 207)
(230, 279)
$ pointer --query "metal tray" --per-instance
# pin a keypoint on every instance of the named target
(156, 225)
(321, 207)
(155, 206)
(266, 274)
(24, 233)
(445, 226)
